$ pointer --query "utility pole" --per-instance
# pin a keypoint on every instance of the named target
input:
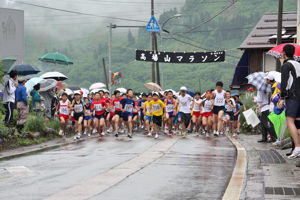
(162, 68)
(152, 42)
(279, 31)
(157, 64)
(110, 43)
(105, 74)
(200, 86)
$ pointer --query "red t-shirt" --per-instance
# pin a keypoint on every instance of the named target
(116, 103)
(99, 105)
(134, 110)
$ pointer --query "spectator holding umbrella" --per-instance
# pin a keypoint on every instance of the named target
(290, 84)
(62, 90)
(22, 104)
(48, 95)
(36, 98)
(9, 95)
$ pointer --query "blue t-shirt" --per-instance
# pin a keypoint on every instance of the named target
(127, 104)
(141, 104)
(237, 108)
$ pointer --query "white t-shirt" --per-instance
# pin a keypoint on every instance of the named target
(196, 105)
(184, 105)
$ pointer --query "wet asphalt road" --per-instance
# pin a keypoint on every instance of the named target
(191, 168)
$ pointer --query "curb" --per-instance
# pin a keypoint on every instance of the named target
(33, 151)
(236, 183)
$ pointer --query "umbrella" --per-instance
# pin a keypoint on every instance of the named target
(74, 87)
(85, 91)
(153, 86)
(277, 75)
(28, 77)
(56, 58)
(97, 85)
(174, 92)
(190, 92)
(47, 84)
(257, 79)
(25, 69)
(69, 92)
(277, 51)
(54, 75)
(32, 82)
(122, 90)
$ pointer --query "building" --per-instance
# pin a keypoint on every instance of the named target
(260, 40)
(12, 44)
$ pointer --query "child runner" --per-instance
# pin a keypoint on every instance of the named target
(88, 117)
(64, 112)
(105, 98)
(197, 112)
(236, 114)
(184, 109)
(219, 105)
(237, 100)
(118, 112)
(141, 108)
(148, 115)
(229, 106)
(207, 114)
(171, 106)
(110, 123)
(79, 110)
(99, 107)
(127, 105)
(135, 114)
(157, 110)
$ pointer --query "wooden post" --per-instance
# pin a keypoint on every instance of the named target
(105, 75)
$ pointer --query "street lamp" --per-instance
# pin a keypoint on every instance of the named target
(161, 45)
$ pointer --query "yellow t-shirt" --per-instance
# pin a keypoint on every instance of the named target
(157, 107)
(147, 108)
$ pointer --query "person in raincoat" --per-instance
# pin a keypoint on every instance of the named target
(48, 96)
(36, 98)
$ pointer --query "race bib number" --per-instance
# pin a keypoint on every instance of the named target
(98, 107)
(219, 100)
(134, 110)
(196, 106)
(228, 108)
(117, 105)
(128, 108)
(170, 108)
(64, 110)
(184, 104)
(148, 109)
(156, 107)
(208, 104)
(78, 108)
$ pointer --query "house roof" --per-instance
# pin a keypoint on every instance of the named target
(264, 35)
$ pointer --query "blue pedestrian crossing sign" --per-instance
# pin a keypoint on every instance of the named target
(153, 25)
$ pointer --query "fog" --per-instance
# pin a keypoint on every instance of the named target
(89, 15)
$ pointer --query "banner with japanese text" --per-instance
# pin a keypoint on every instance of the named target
(180, 57)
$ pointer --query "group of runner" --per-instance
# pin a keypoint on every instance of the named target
(124, 113)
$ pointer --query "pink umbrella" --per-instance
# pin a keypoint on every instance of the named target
(277, 51)
(97, 85)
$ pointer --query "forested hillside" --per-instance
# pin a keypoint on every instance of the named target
(224, 32)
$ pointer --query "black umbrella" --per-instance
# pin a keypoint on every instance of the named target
(25, 69)
(74, 87)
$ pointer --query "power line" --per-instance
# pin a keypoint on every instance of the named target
(62, 10)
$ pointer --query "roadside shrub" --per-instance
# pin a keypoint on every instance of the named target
(35, 124)
(54, 124)
(246, 99)
(4, 131)
(15, 118)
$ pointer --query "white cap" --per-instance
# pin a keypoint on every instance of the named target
(270, 77)
(84, 95)
(183, 88)
(77, 92)
(155, 93)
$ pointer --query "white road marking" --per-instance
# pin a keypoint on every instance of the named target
(21, 171)
(105, 180)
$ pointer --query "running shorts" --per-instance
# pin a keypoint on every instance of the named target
(66, 117)
(87, 117)
(118, 113)
(207, 114)
(99, 116)
(157, 120)
(217, 109)
(148, 118)
(197, 114)
(171, 114)
(77, 115)
(230, 114)
(135, 114)
(126, 115)
(292, 108)
(185, 118)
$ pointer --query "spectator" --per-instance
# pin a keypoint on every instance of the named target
(36, 98)
(9, 96)
(22, 104)
(48, 96)
(290, 84)
(62, 90)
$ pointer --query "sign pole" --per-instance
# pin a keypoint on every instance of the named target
(110, 44)
(152, 41)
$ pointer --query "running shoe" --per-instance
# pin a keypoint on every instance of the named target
(60, 132)
(207, 135)
(84, 133)
(78, 136)
(221, 132)
(142, 127)
(227, 129)
(152, 131)
(89, 135)
(234, 135)
(94, 131)
(125, 130)
(238, 132)
(295, 154)
(149, 134)
(130, 135)
(216, 134)
(156, 136)
(135, 129)
(197, 134)
(203, 132)
(276, 143)
(116, 134)
(75, 137)
(170, 133)
(100, 137)
(108, 130)
(103, 133)
(184, 135)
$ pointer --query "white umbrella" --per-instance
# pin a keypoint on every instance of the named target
(277, 75)
(97, 85)
(69, 92)
(54, 75)
(153, 86)
(122, 90)
(85, 91)
(174, 92)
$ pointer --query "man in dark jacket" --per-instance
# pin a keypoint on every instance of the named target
(290, 92)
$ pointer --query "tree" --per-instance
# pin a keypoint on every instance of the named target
(95, 54)
(130, 38)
